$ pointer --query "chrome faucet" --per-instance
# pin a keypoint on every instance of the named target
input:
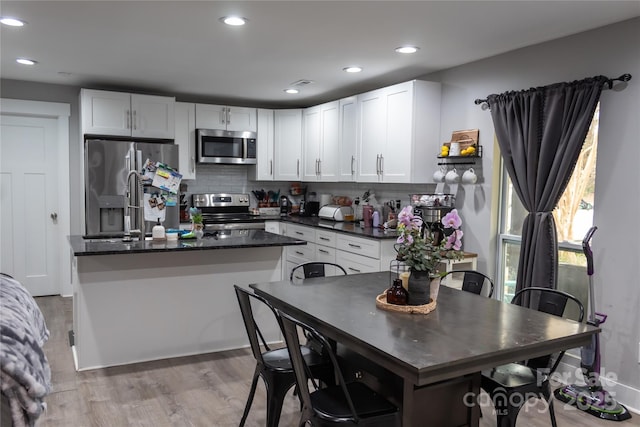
(128, 232)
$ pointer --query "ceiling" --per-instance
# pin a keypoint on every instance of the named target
(181, 47)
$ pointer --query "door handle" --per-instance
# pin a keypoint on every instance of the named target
(222, 116)
(228, 115)
(135, 120)
(128, 114)
(298, 168)
(353, 159)
(319, 167)
(354, 269)
(381, 164)
(270, 167)
(54, 216)
(377, 164)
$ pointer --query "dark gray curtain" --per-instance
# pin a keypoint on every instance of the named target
(540, 132)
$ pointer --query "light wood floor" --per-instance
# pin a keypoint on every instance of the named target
(202, 391)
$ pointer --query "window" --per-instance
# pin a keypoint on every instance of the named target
(573, 216)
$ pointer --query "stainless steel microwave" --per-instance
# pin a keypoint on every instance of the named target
(223, 146)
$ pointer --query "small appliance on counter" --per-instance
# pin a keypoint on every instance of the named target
(285, 206)
(310, 206)
(336, 212)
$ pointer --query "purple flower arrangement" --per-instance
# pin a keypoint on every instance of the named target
(424, 253)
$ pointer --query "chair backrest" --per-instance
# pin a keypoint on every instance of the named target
(315, 269)
(473, 281)
(253, 331)
(551, 301)
(290, 327)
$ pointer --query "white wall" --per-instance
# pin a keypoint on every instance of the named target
(610, 51)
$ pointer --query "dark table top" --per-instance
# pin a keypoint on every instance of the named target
(466, 333)
(114, 246)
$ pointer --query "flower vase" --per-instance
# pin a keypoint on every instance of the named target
(434, 287)
(419, 287)
(198, 230)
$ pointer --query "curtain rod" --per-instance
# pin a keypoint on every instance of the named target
(609, 82)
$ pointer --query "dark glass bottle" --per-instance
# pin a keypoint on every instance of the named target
(396, 294)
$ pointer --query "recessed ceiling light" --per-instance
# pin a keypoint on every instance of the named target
(407, 49)
(234, 20)
(352, 69)
(292, 91)
(26, 61)
(12, 22)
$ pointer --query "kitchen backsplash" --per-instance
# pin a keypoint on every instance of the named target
(233, 179)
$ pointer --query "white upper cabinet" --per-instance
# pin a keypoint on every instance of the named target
(398, 131)
(126, 114)
(226, 118)
(320, 145)
(288, 144)
(347, 147)
(264, 168)
(185, 127)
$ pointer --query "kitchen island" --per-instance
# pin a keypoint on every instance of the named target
(141, 301)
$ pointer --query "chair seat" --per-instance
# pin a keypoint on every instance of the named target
(279, 359)
(330, 402)
(511, 375)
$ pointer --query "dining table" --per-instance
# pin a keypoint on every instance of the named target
(428, 364)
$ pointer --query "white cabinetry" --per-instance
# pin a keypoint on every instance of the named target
(347, 151)
(287, 144)
(321, 142)
(225, 118)
(185, 129)
(126, 114)
(354, 254)
(398, 129)
(265, 166)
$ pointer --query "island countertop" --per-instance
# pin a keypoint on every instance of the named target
(115, 246)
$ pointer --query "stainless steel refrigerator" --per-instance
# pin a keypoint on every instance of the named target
(107, 164)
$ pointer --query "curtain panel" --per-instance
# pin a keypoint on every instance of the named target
(540, 133)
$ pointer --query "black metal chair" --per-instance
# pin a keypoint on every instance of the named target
(345, 403)
(472, 281)
(274, 366)
(511, 385)
(314, 269)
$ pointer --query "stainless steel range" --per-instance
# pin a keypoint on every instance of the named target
(226, 211)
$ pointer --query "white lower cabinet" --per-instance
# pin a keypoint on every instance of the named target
(354, 254)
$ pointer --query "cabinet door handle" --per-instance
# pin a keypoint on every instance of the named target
(381, 164)
(323, 251)
(302, 254)
(353, 160)
(222, 116)
(298, 167)
(270, 167)
(54, 216)
(128, 114)
(355, 246)
(193, 163)
(228, 115)
(299, 233)
(353, 269)
(378, 164)
(135, 120)
(319, 167)
(324, 238)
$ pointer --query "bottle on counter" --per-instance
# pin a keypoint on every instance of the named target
(157, 232)
(396, 294)
(375, 219)
(367, 216)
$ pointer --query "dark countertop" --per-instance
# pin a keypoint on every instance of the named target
(115, 246)
(342, 227)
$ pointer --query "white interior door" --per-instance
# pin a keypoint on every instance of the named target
(29, 208)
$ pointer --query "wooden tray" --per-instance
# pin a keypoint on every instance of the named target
(381, 303)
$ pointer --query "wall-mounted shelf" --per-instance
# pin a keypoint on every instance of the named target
(461, 160)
